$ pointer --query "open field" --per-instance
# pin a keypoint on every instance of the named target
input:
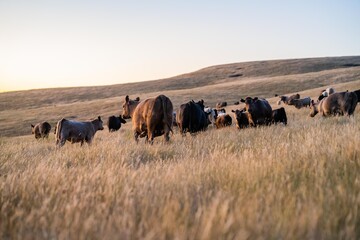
(299, 181)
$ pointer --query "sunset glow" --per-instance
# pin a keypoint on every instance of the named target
(62, 44)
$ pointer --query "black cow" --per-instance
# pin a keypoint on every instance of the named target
(279, 116)
(259, 111)
(357, 92)
(242, 119)
(114, 123)
(191, 117)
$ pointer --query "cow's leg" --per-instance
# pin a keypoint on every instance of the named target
(151, 136)
(136, 136)
(166, 132)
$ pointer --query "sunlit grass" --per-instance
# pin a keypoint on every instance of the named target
(295, 182)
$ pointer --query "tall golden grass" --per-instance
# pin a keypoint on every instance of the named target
(301, 181)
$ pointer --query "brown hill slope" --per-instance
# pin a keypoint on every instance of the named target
(227, 82)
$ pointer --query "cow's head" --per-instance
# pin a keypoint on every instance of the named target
(33, 131)
(129, 106)
(122, 120)
(201, 104)
(313, 108)
(250, 104)
(100, 123)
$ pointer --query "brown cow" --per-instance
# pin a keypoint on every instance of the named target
(41, 130)
(338, 103)
(75, 131)
(259, 111)
(223, 121)
(150, 118)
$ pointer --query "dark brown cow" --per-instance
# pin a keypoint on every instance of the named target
(150, 118)
(259, 111)
(223, 121)
(74, 131)
(287, 99)
(242, 118)
(339, 103)
(41, 130)
(114, 123)
(279, 116)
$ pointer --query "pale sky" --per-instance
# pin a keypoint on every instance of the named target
(82, 43)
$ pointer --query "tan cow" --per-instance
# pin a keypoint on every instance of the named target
(74, 131)
(339, 103)
(223, 121)
(150, 118)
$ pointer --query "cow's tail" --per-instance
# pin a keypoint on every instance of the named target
(58, 130)
(165, 104)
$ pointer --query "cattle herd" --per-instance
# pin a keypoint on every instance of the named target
(155, 117)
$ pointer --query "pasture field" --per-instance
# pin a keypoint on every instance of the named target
(299, 181)
(296, 182)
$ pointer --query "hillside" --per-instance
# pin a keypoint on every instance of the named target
(227, 82)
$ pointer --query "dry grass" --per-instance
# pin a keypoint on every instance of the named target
(295, 182)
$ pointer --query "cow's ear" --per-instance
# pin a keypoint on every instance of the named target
(127, 98)
(99, 118)
(256, 98)
(276, 95)
(242, 100)
(202, 101)
(137, 99)
(233, 110)
(32, 126)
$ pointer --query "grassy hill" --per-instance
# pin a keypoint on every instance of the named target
(227, 82)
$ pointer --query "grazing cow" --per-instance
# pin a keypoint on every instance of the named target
(41, 130)
(325, 93)
(242, 118)
(300, 103)
(221, 104)
(339, 103)
(114, 123)
(279, 116)
(74, 131)
(191, 117)
(259, 111)
(223, 121)
(151, 118)
(287, 99)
